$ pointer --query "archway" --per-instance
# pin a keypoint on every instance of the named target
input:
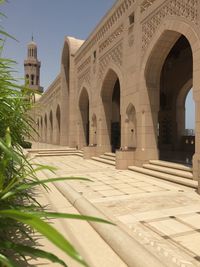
(58, 125)
(50, 126)
(111, 104)
(84, 113)
(67, 129)
(45, 128)
(131, 127)
(167, 75)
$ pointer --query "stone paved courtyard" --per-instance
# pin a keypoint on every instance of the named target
(164, 217)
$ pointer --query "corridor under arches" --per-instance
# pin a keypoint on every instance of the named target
(58, 120)
(172, 78)
(111, 105)
(84, 118)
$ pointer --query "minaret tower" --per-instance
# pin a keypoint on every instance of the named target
(32, 67)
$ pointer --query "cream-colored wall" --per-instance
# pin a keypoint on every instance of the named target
(135, 53)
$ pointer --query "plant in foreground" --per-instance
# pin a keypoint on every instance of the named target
(19, 208)
(20, 213)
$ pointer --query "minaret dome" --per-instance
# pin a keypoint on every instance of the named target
(32, 67)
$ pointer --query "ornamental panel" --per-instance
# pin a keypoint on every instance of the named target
(181, 8)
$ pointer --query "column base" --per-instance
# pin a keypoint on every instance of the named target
(143, 156)
(89, 152)
(101, 149)
(124, 158)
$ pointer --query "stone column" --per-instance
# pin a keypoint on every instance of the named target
(147, 137)
(104, 128)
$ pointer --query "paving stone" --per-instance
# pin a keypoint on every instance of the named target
(145, 203)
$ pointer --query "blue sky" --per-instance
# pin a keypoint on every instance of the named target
(49, 21)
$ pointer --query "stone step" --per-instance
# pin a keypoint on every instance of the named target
(57, 151)
(108, 157)
(110, 154)
(59, 154)
(165, 176)
(44, 150)
(171, 165)
(110, 162)
(168, 170)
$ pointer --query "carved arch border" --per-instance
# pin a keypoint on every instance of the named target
(175, 28)
(117, 71)
(88, 89)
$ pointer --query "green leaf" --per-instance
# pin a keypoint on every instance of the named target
(5, 33)
(33, 252)
(7, 262)
(9, 152)
(23, 187)
(8, 138)
(71, 216)
(26, 186)
(46, 230)
(41, 167)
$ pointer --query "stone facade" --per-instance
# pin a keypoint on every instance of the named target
(32, 67)
(125, 86)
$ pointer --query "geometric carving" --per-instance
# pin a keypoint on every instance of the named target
(145, 4)
(111, 38)
(113, 56)
(84, 77)
(131, 40)
(182, 8)
(84, 64)
(112, 20)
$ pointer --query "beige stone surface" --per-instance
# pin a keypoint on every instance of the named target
(89, 244)
(163, 217)
(125, 86)
(124, 89)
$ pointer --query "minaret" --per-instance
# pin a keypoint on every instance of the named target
(32, 67)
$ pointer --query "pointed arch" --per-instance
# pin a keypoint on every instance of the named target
(131, 127)
(45, 128)
(84, 117)
(111, 115)
(58, 122)
(70, 47)
(160, 104)
(50, 129)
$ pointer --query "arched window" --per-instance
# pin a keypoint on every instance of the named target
(32, 79)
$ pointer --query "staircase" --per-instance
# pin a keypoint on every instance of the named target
(107, 157)
(56, 152)
(173, 172)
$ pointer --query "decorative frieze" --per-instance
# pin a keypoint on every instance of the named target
(84, 64)
(107, 24)
(85, 77)
(111, 38)
(131, 40)
(146, 4)
(182, 8)
(113, 56)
